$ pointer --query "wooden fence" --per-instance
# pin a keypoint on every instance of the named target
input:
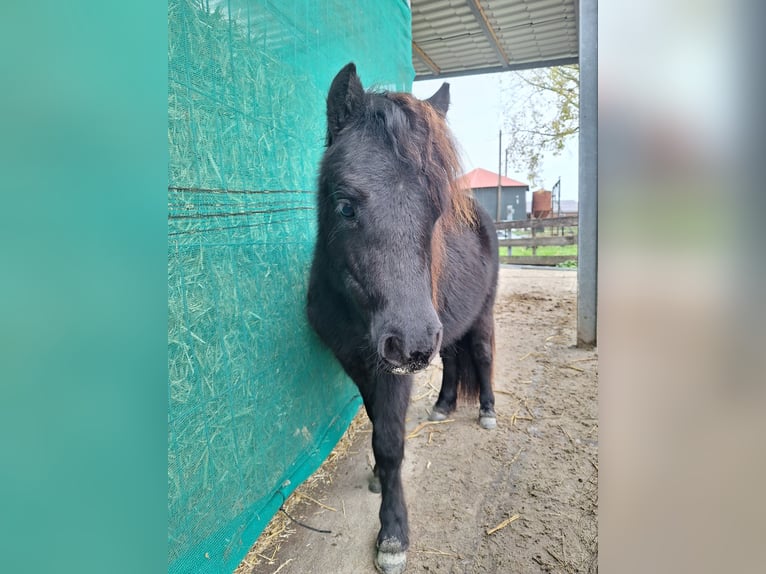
(539, 238)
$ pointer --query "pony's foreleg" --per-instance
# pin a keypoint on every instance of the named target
(392, 395)
(367, 390)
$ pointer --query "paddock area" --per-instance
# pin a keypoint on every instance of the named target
(520, 498)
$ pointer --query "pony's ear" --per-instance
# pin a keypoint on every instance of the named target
(440, 100)
(344, 100)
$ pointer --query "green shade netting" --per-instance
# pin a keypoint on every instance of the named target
(255, 401)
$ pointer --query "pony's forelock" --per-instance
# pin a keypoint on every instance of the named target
(428, 144)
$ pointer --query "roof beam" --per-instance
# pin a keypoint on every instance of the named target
(493, 69)
(489, 32)
(425, 59)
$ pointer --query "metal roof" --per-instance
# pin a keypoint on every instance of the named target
(480, 178)
(462, 37)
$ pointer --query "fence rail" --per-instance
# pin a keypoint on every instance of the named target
(538, 239)
(567, 221)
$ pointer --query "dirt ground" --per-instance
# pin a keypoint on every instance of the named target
(520, 498)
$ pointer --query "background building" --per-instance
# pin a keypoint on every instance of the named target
(513, 194)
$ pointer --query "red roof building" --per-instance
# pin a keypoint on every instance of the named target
(513, 198)
(481, 178)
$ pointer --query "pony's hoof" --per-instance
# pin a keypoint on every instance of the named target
(390, 559)
(374, 484)
(437, 415)
(487, 419)
(390, 563)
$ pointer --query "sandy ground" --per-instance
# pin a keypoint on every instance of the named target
(534, 476)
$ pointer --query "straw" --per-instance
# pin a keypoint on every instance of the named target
(503, 524)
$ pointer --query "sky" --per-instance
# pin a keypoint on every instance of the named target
(475, 116)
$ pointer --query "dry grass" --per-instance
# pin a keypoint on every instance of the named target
(503, 524)
(236, 260)
(231, 124)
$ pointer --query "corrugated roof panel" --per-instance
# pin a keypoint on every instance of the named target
(473, 36)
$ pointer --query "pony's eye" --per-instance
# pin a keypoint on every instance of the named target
(346, 209)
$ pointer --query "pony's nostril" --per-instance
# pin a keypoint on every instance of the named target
(391, 350)
(402, 356)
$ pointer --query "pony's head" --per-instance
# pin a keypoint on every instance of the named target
(388, 194)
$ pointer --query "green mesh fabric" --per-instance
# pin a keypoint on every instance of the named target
(255, 402)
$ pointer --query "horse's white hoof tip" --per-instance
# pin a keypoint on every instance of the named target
(390, 562)
(488, 422)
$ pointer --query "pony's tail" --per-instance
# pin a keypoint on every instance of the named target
(467, 376)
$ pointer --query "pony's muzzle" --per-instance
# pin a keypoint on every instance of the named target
(403, 355)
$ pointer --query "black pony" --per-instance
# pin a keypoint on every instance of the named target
(405, 267)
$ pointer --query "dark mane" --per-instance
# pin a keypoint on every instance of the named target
(421, 138)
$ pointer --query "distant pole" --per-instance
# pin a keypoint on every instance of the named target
(587, 233)
(557, 194)
(499, 167)
(505, 172)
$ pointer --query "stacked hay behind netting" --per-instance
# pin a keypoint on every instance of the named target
(240, 116)
(236, 338)
(251, 390)
(245, 399)
(244, 147)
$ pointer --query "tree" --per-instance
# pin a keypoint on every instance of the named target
(542, 117)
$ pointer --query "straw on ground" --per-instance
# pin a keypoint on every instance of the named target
(503, 524)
